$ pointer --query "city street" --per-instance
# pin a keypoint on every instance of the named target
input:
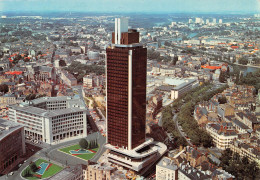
(179, 129)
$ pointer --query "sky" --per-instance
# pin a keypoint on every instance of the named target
(167, 6)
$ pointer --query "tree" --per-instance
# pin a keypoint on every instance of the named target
(237, 78)
(30, 97)
(83, 143)
(33, 167)
(243, 61)
(62, 63)
(253, 170)
(26, 173)
(175, 59)
(222, 77)
(4, 88)
(222, 100)
(203, 48)
(166, 43)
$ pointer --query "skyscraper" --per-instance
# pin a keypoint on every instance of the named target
(126, 87)
(126, 102)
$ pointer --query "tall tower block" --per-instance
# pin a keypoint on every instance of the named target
(126, 88)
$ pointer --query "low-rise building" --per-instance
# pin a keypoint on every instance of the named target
(70, 173)
(99, 171)
(248, 119)
(189, 164)
(245, 150)
(166, 169)
(7, 99)
(93, 80)
(68, 78)
(223, 134)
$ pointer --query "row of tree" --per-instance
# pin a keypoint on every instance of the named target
(34, 96)
(79, 70)
(169, 126)
(185, 105)
(252, 79)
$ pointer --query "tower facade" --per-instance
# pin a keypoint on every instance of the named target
(126, 88)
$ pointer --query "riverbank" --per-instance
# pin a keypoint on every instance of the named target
(247, 65)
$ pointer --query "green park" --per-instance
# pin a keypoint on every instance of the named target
(40, 169)
(84, 149)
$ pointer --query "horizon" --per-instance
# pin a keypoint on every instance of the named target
(129, 6)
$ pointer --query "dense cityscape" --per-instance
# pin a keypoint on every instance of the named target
(93, 96)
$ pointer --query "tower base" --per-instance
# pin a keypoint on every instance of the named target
(139, 158)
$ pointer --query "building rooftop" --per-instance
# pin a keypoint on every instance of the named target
(68, 173)
(7, 127)
(167, 163)
(240, 124)
(74, 104)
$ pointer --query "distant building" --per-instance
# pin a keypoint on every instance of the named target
(75, 50)
(45, 73)
(51, 119)
(93, 55)
(68, 78)
(220, 21)
(181, 86)
(12, 144)
(198, 20)
(7, 99)
(93, 80)
(214, 21)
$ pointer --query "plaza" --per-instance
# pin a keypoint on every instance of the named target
(76, 151)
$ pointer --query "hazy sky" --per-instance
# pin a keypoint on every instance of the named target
(215, 6)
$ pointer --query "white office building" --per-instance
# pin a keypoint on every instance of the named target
(181, 86)
(51, 119)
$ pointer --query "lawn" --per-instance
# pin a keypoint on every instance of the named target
(76, 147)
(52, 170)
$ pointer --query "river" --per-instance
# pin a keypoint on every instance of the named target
(247, 69)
